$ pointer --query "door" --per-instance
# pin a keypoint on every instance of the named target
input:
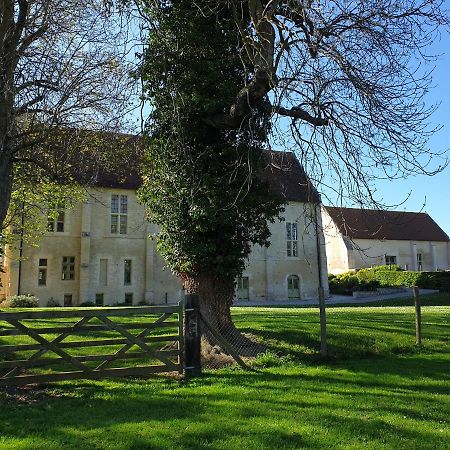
(293, 287)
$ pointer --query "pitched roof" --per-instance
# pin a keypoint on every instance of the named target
(282, 171)
(390, 225)
(286, 177)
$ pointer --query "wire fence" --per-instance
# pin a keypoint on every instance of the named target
(256, 337)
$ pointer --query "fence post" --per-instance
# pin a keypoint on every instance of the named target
(418, 316)
(192, 336)
(323, 324)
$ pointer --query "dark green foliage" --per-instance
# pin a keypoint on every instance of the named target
(434, 280)
(20, 301)
(202, 185)
(348, 282)
(370, 279)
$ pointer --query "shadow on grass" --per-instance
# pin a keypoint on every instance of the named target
(232, 409)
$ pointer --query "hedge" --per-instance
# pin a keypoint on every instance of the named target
(369, 279)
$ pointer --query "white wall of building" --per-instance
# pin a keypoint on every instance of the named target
(344, 254)
(87, 237)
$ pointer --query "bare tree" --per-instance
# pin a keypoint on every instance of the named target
(347, 78)
(63, 64)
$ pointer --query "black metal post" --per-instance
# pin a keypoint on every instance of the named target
(192, 336)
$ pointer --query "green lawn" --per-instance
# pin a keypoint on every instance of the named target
(377, 391)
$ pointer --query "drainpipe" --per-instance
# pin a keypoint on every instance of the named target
(323, 319)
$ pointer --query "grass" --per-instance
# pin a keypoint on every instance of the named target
(377, 391)
(439, 299)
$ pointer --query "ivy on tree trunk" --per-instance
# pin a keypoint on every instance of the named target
(203, 184)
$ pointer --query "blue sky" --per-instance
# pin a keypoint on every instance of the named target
(430, 194)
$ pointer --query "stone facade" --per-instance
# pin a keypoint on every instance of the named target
(88, 262)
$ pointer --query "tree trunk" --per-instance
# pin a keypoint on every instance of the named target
(5, 186)
(216, 297)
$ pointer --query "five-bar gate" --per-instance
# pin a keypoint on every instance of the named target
(43, 346)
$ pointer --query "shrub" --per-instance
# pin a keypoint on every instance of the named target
(398, 277)
(53, 303)
(21, 301)
(87, 304)
(344, 283)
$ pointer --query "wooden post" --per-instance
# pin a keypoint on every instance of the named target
(323, 324)
(418, 316)
(192, 336)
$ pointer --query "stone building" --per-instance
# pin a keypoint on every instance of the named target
(99, 251)
(359, 238)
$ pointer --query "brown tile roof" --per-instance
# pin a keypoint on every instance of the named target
(377, 224)
(287, 178)
(282, 171)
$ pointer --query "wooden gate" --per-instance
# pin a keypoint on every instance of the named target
(43, 346)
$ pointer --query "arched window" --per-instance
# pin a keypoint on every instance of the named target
(293, 286)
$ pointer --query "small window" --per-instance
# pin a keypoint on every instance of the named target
(99, 299)
(68, 268)
(67, 299)
(119, 214)
(127, 272)
(419, 262)
(391, 260)
(291, 239)
(128, 299)
(42, 272)
(56, 224)
(242, 283)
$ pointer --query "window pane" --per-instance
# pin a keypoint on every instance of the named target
(42, 277)
(42, 262)
(294, 231)
(60, 226)
(68, 268)
(114, 203)
(123, 204)
(288, 232)
(114, 224)
(288, 248)
(294, 248)
(60, 222)
(129, 299)
(127, 272)
(123, 224)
